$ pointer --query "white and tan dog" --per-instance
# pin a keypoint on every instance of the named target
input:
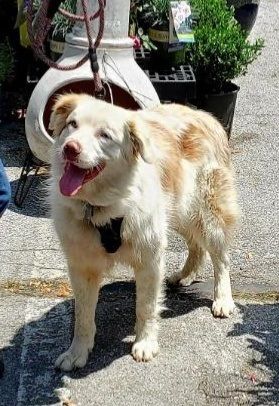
(155, 169)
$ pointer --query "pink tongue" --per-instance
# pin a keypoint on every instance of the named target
(72, 180)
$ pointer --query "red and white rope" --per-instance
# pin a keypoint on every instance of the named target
(43, 24)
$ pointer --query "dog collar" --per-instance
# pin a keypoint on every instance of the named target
(110, 232)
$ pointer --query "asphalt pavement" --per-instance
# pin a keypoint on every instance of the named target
(202, 361)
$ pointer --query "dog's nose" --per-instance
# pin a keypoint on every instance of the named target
(72, 150)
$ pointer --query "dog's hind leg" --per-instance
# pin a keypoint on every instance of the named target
(85, 285)
(149, 279)
(194, 263)
(215, 225)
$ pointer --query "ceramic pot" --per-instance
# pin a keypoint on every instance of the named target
(130, 86)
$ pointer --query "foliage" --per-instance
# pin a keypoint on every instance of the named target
(145, 40)
(160, 9)
(145, 14)
(221, 51)
(150, 13)
(61, 24)
(6, 61)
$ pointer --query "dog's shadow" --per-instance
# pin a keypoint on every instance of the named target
(115, 320)
(41, 341)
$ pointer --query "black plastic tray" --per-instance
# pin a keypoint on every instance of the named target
(172, 85)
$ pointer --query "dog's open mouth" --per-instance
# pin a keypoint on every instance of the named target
(74, 178)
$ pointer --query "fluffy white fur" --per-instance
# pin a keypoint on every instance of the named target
(165, 168)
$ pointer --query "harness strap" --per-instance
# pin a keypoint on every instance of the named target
(110, 232)
(110, 235)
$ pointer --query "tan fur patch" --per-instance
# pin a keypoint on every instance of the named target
(222, 197)
(170, 167)
(191, 143)
(171, 177)
(66, 103)
(134, 139)
(63, 106)
(200, 133)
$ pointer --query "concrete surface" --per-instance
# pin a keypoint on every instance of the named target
(203, 361)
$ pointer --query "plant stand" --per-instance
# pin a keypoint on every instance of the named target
(32, 165)
(176, 85)
(31, 168)
(173, 85)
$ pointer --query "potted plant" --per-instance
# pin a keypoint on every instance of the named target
(60, 27)
(245, 13)
(137, 27)
(153, 19)
(6, 69)
(220, 53)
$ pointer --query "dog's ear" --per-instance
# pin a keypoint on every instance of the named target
(63, 106)
(139, 142)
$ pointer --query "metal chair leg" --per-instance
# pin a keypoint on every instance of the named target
(28, 174)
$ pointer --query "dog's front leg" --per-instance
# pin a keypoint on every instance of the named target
(86, 288)
(149, 277)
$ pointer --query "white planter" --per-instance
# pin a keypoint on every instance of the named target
(118, 51)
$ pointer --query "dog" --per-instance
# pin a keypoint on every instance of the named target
(119, 180)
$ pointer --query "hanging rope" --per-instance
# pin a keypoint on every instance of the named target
(42, 25)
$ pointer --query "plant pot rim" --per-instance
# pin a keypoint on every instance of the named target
(57, 36)
(160, 26)
(229, 87)
(240, 3)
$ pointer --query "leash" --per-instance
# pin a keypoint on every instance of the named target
(39, 29)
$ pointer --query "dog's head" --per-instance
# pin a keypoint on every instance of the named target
(94, 138)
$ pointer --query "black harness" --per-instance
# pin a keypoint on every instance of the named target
(110, 232)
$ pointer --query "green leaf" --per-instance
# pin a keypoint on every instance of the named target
(221, 50)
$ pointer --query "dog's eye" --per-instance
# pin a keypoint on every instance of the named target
(105, 135)
(73, 123)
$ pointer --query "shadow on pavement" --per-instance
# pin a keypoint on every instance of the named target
(13, 144)
(257, 383)
(13, 150)
(45, 338)
(35, 204)
(261, 326)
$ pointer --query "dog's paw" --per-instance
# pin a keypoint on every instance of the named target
(75, 357)
(177, 279)
(145, 350)
(223, 307)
